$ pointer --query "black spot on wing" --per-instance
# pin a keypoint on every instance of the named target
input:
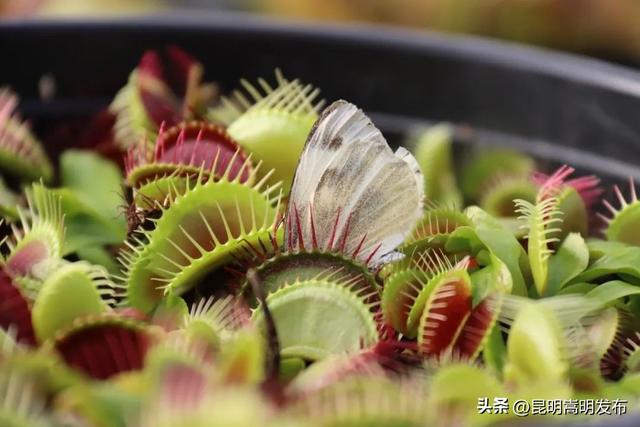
(335, 143)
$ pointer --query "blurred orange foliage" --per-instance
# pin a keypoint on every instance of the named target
(605, 27)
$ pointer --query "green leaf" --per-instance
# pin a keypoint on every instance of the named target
(84, 226)
(95, 180)
(290, 367)
(598, 248)
(494, 352)
(536, 351)
(99, 255)
(577, 288)
(91, 200)
(464, 239)
(571, 258)
(625, 260)
(494, 277)
(503, 244)
(612, 291)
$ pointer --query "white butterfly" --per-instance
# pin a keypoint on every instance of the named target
(351, 193)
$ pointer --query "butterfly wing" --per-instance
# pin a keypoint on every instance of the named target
(351, 192)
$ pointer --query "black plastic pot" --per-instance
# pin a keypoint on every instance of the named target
(561, 108)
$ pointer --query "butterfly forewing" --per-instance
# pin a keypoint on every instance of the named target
(351, 192)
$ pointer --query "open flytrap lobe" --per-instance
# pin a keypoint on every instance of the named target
(621, 223)
(285, 267)
(196, 233)
(21, 154)
(186, 148)
(271, 122)
(35, 245)
(15, 311)
(165, 87)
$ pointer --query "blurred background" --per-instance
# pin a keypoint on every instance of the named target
(603, 28)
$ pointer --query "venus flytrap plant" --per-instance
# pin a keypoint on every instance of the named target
(15, 311)
(352, 301)
(188, 148)
(159, 92)
(9, 201)
(548, 338)
(35, 247)
(444, 275)
(104, 345)
(607, 331)
(498, 199)
(434, 228)
(403, 283)
(632, 353)
(275, 126)
(230, 107)
(338, 313)
(576, 198)
(181, 156)
(444, 315)
(485, 166)
(212, 322)
(365, 400)
(542, 220)
(21, 154)
(80, 287)
(536, 347)
(196, 233)
(433, 153)
(620, 225)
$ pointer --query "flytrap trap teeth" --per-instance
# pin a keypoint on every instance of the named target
(576, 197)
(214, 321)
(365, 400)
(435, 227)
(272, 123)
(188, 148)
(620, 223)
(341, 316)
(22, 402)
(283, 266)
(35, 246)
